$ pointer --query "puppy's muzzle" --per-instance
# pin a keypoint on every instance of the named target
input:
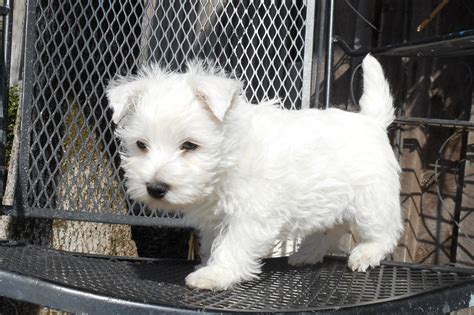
(157, 190)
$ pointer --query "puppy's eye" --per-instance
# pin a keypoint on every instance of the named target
(189, 146)
(142, 145)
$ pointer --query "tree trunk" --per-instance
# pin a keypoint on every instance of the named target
(76, 191)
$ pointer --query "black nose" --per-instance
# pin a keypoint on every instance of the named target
(157, 190)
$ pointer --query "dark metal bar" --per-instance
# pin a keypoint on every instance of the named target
(349, 50)
(21, 194)
(329, 54)
(458, 200)
(26, 211)
(447, 123)
(458, 44)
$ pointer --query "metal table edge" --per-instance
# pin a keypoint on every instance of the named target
(59, 296)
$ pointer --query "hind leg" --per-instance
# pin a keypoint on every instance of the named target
(378, 221)
(316, 245)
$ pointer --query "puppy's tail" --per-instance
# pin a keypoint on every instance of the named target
(376, 101)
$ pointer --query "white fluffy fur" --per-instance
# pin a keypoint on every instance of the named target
(260, 173)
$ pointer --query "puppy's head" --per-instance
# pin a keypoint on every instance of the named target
(170, 127)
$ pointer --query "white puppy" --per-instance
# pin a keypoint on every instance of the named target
(246, 175)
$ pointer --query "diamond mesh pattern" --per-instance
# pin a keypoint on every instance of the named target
(72, 161)
(281, 287)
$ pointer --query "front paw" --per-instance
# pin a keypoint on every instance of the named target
(209, 278)
(364, 256)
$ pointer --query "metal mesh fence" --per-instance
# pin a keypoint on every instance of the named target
(69, 162)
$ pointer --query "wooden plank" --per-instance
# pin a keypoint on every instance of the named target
(18, 28)
(465, 247)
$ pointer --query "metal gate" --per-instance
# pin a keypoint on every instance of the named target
(69, 164)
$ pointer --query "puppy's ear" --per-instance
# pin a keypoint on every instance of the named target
(217, 93)
(121, 94)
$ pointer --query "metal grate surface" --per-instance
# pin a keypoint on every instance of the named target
(69, 158)
(330, 285)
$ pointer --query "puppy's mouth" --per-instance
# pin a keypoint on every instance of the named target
(167, 203)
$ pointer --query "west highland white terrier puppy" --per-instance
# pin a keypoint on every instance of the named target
(247, 175)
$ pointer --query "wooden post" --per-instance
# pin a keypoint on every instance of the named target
(18, 28)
